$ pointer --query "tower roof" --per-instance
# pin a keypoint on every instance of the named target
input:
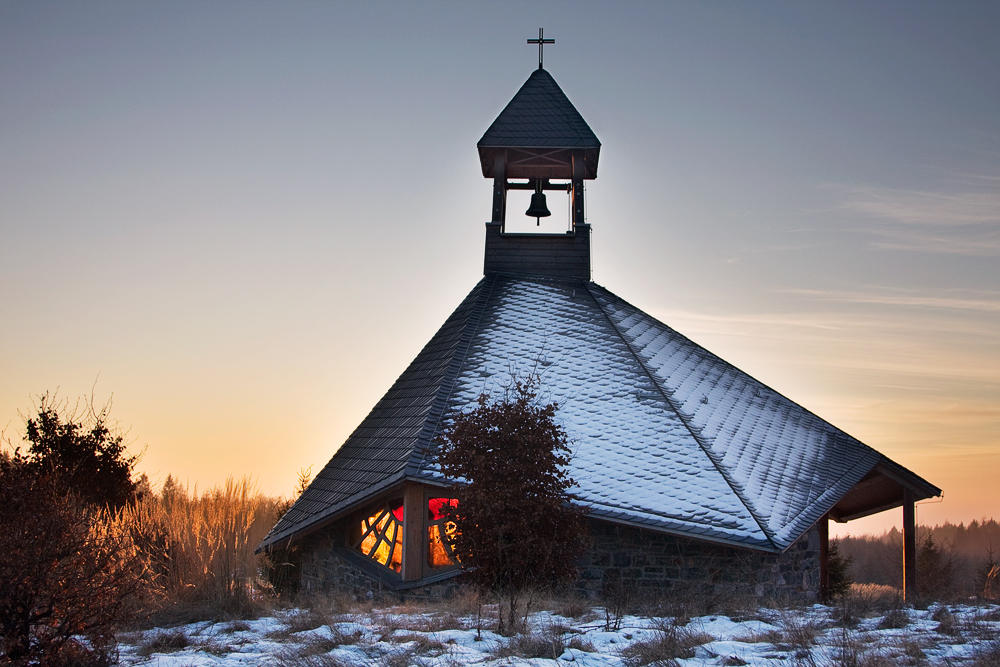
(664, 434)
(539, 118)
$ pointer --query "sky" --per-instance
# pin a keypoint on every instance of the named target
(240, 221)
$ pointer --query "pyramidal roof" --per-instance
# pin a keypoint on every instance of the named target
(540, 115)
(664, 433)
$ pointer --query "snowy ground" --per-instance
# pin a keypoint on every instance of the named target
(395, 637)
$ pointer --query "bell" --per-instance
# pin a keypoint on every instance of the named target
(538, 209)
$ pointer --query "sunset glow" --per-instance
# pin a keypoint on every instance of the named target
(242, 222)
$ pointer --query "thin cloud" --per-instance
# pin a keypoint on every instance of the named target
(965, 221)
(926, 208)
(988, 302)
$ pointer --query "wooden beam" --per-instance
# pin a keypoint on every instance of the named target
(909, 546)
(824, 559)
(414, 511)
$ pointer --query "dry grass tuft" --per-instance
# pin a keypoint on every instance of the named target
(199, 550)
(569, 606)
(163, 642)
(580, 644)
(437, 622)
(798, 634)
(531, 645)
(947, 623)
(319, 644)
(988, 655)
(869, 599)
(237, 626)
(669, 643)
(772, 637)
(896, 619)
(424, 644)
(293, 659)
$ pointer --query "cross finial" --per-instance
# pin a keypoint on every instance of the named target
(541, 42)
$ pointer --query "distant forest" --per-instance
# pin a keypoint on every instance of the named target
(966, 557)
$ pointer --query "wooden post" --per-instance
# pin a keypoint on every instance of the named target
(499, 189)
(578, 189)
(824, 558)
(414, 510)
(909, 546)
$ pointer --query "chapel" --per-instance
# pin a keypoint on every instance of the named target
(693, 473)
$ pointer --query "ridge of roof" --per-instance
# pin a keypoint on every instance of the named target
(432, 425)
(539, 116)
(685, 419)
(864, 458)
(629, 451)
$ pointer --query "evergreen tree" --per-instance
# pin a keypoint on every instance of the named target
(935, 571)
(839, 571)
(85, 457)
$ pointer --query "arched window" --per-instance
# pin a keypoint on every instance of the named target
(382, 535)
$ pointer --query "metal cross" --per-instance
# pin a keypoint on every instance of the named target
(541, 42)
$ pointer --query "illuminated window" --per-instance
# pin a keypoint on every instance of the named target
(382, 536)
(439, 551)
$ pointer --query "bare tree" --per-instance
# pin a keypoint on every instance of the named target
(517, 529)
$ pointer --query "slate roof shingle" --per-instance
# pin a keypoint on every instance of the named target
(664, 433)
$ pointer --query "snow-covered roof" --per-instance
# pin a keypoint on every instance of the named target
(664, 433)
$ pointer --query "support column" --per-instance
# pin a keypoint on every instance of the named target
(824, 558)
(909, 546)
(414, 541)
(499, 189)
(578, 172)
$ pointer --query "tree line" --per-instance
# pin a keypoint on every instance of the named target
(952, 560)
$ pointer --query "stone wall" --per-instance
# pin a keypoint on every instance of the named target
(644, 562)
(622, 560)
(327, 569)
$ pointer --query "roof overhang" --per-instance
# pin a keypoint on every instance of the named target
(881, 489)
(539, 161)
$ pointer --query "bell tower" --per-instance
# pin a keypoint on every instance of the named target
(539, 142)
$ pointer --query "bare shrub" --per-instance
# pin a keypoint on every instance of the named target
(669, 642)
(616, 597)
(66, 573)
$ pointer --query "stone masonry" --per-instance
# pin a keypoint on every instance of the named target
(647, 563)
(625, 560)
